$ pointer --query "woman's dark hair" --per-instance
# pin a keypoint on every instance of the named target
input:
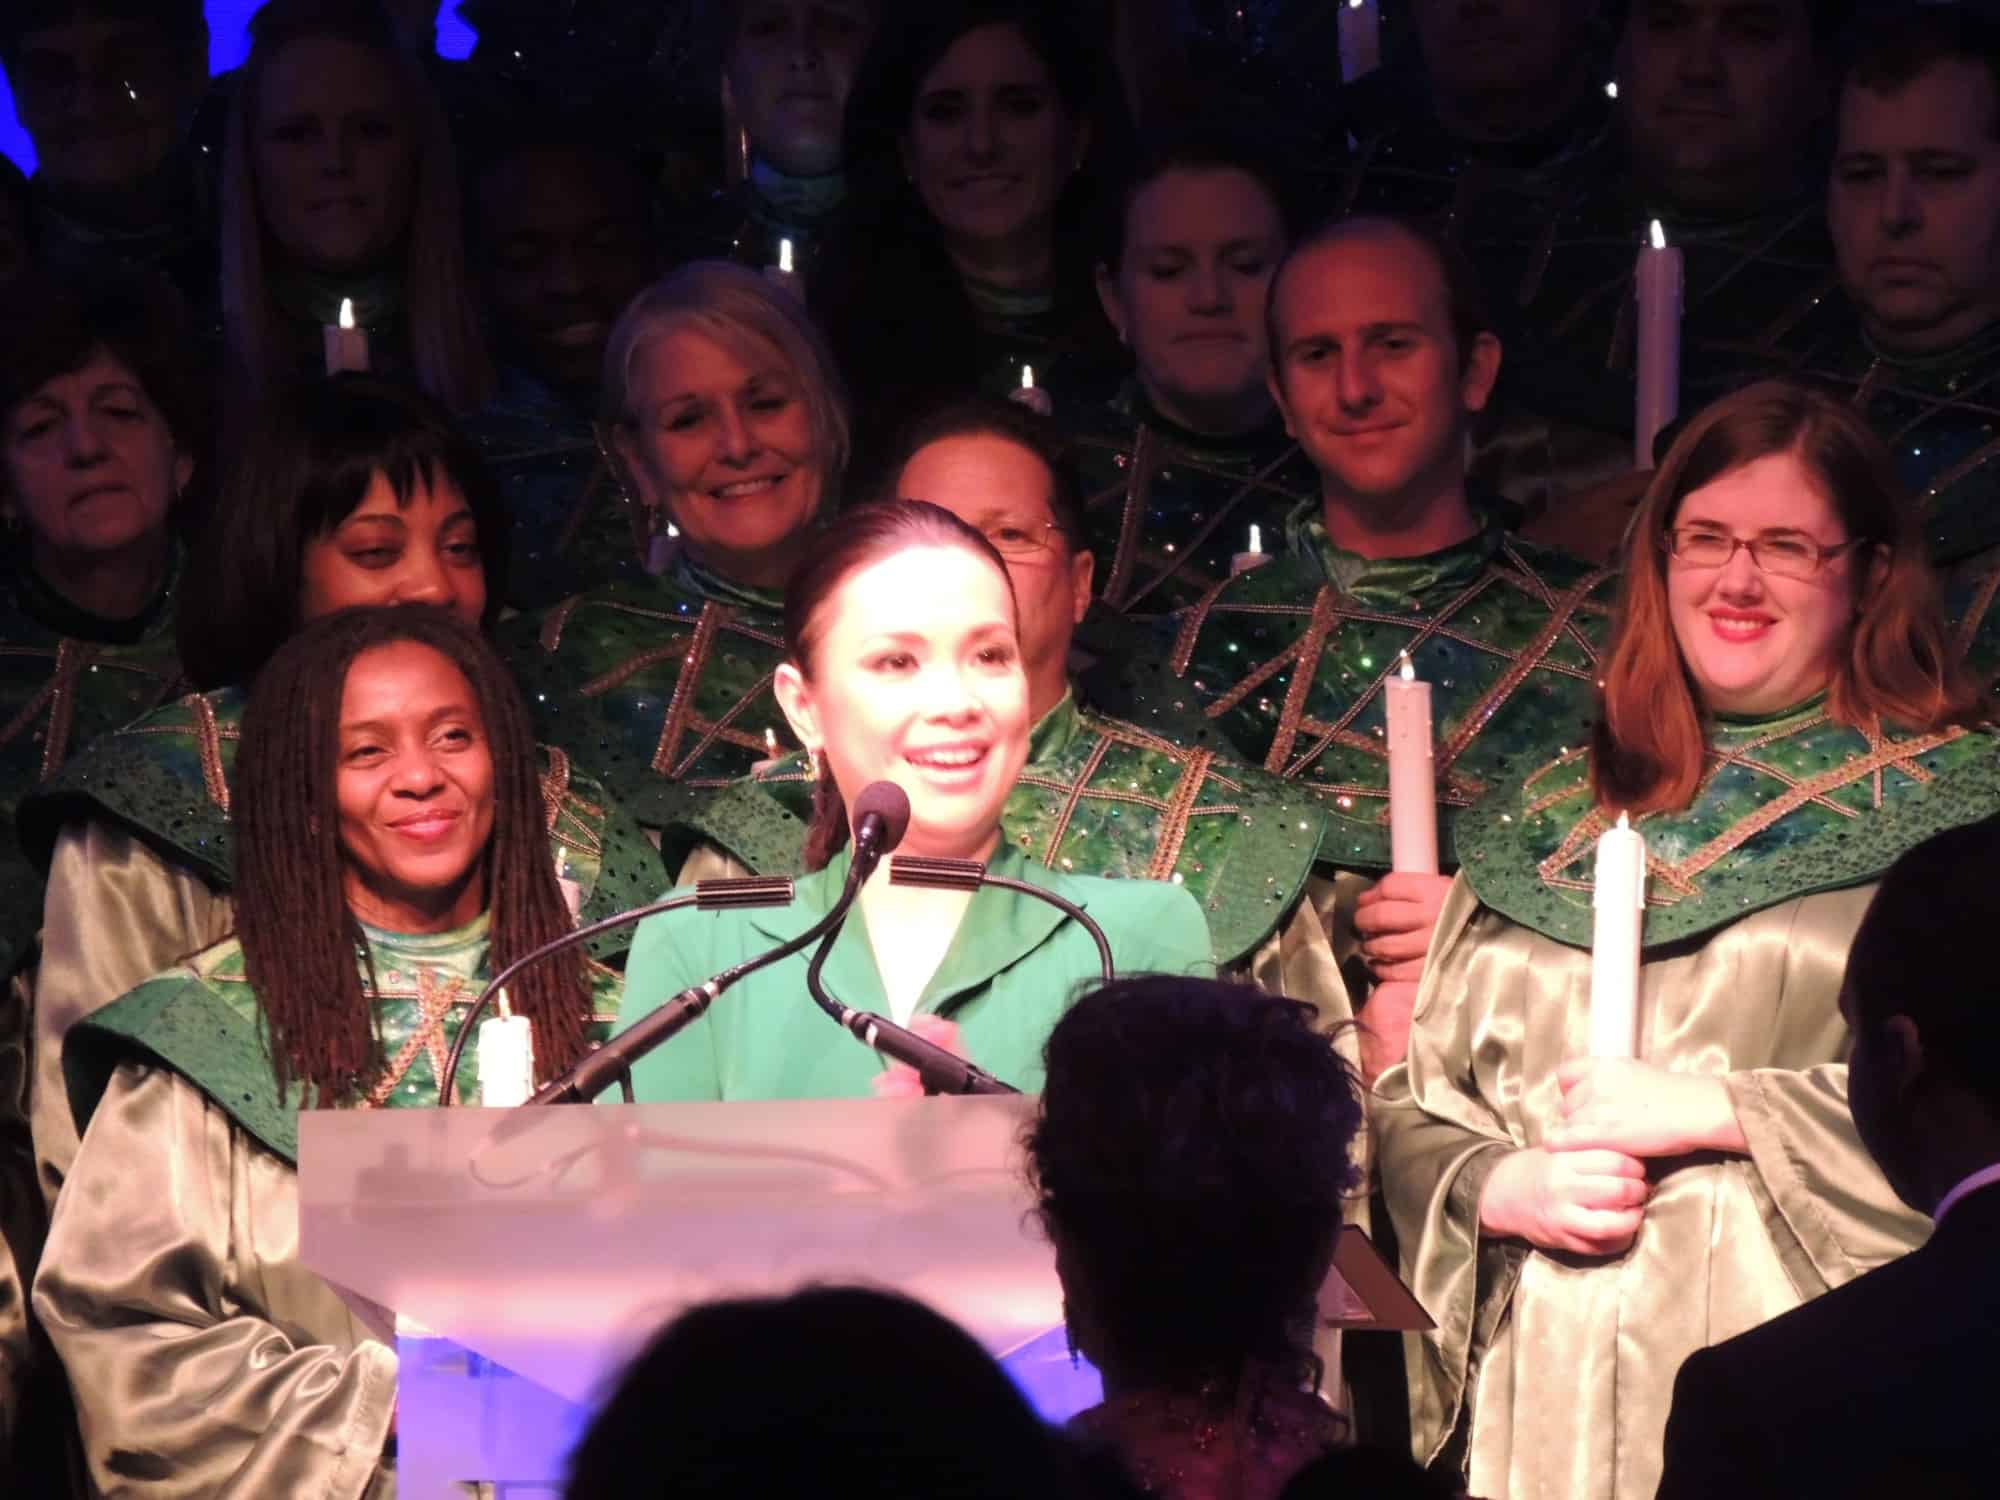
(1010, 421)
(1205, 149)
(892, 302)
(301, 944)
(858, 539)
(1897, 665)
(878, 1395)
(56, 323)
(303, 469)
(1192, 1161)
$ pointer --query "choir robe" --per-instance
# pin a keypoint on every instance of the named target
(206, 1359)
(1550, 1374)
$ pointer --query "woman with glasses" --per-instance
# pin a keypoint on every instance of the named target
(723, 415)
(1780, 716)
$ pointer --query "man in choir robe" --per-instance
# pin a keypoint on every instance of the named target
(1381, 359)
(1716, 136)
(565, 238)
(1884, 1386)
(787, 67)
(107, 92)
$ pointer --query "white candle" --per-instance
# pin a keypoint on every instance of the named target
(1253, 556)
(346, 345)
(785, 272)
(1360, 38)
(1031, 395)
(1619, 902)
(506, 1058)
(1413, 833)
(1658, 288)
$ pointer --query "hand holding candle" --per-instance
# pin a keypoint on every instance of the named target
(1406, 700)
(1030, 395)
(1253, 557)
(346, 345)
(1619, 902)
(1657, 285)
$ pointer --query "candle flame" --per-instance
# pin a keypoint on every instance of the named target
(1611, 89)
(785, 256)
(506, 1009)
(1256, 538)
(130, 92)
(1027, 377)
(1624, 823)
(770, 740)
(1355, 4)
(1407, 671)
(672, 529)
(347, 313)
(1658, 235)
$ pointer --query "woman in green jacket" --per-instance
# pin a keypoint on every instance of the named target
(903, 664)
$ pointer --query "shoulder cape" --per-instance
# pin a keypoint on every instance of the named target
(1784, 810)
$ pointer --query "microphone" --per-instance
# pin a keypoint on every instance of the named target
(969, 874)
(881, 814)
(710, 895)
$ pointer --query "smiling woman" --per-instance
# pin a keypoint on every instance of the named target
(1781, 716)
(393, 856)
(903, 664)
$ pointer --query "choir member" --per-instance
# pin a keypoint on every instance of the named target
(903, 664)
(1595, 1170)
(392, 853)
(724, 416)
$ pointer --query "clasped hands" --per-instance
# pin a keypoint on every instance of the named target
(1584, 1189)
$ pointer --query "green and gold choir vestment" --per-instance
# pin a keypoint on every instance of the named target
(136, 836)
(1166, 508)
(1288, 662)
(574, 527)
(1556, 1370)
(66, 677)
(662, 687)
(745, 223)
(190, 1328)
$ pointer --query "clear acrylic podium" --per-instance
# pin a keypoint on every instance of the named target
(526, 1255)
(538, 1250)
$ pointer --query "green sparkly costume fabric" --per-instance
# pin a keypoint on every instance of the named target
(664, 687)
(64, 682)
(1288, 663)
(1166, 509)
(166, 778)
(1096, 797)
(203, 1021)
(1787, 806)
(574, 528)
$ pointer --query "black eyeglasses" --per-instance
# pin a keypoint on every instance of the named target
(1782, 554)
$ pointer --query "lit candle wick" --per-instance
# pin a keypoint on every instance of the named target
(1407, 671)
(785, 256)
(770, 741)
(1256, 538)
(1658, 234)
(1027, 377)
(347, 313)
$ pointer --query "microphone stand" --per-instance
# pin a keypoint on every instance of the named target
(710, 895)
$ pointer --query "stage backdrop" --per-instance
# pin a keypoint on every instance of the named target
(227, 42)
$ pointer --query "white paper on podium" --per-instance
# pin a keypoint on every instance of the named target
(557, 1241)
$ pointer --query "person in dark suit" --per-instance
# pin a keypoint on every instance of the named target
(1886, 1386)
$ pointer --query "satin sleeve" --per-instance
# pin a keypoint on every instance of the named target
(205, 1359)
(114, 915)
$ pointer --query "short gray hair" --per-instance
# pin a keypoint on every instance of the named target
(745, 313)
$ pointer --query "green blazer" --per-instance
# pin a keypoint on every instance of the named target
(1013, 967)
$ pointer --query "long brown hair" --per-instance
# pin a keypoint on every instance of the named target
(1650, 741)
(300, 940)
(446, 346)
(857, 539)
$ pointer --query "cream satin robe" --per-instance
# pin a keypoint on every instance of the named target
(1564, 1365)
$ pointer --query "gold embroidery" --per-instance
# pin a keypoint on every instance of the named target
(435, 1001)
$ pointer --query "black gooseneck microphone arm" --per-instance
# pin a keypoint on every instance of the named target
(970, 874)
(756, 890)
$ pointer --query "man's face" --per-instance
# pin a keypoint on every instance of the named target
(1368, 370)
(563, 248)
(790, 66)
(1717, 97)
(105, 101)
(1914, 206)
(1475, 47)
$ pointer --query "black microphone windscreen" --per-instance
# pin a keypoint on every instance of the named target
(888, 802)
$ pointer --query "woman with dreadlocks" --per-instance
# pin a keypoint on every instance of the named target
(351, 493)
(391, 855)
